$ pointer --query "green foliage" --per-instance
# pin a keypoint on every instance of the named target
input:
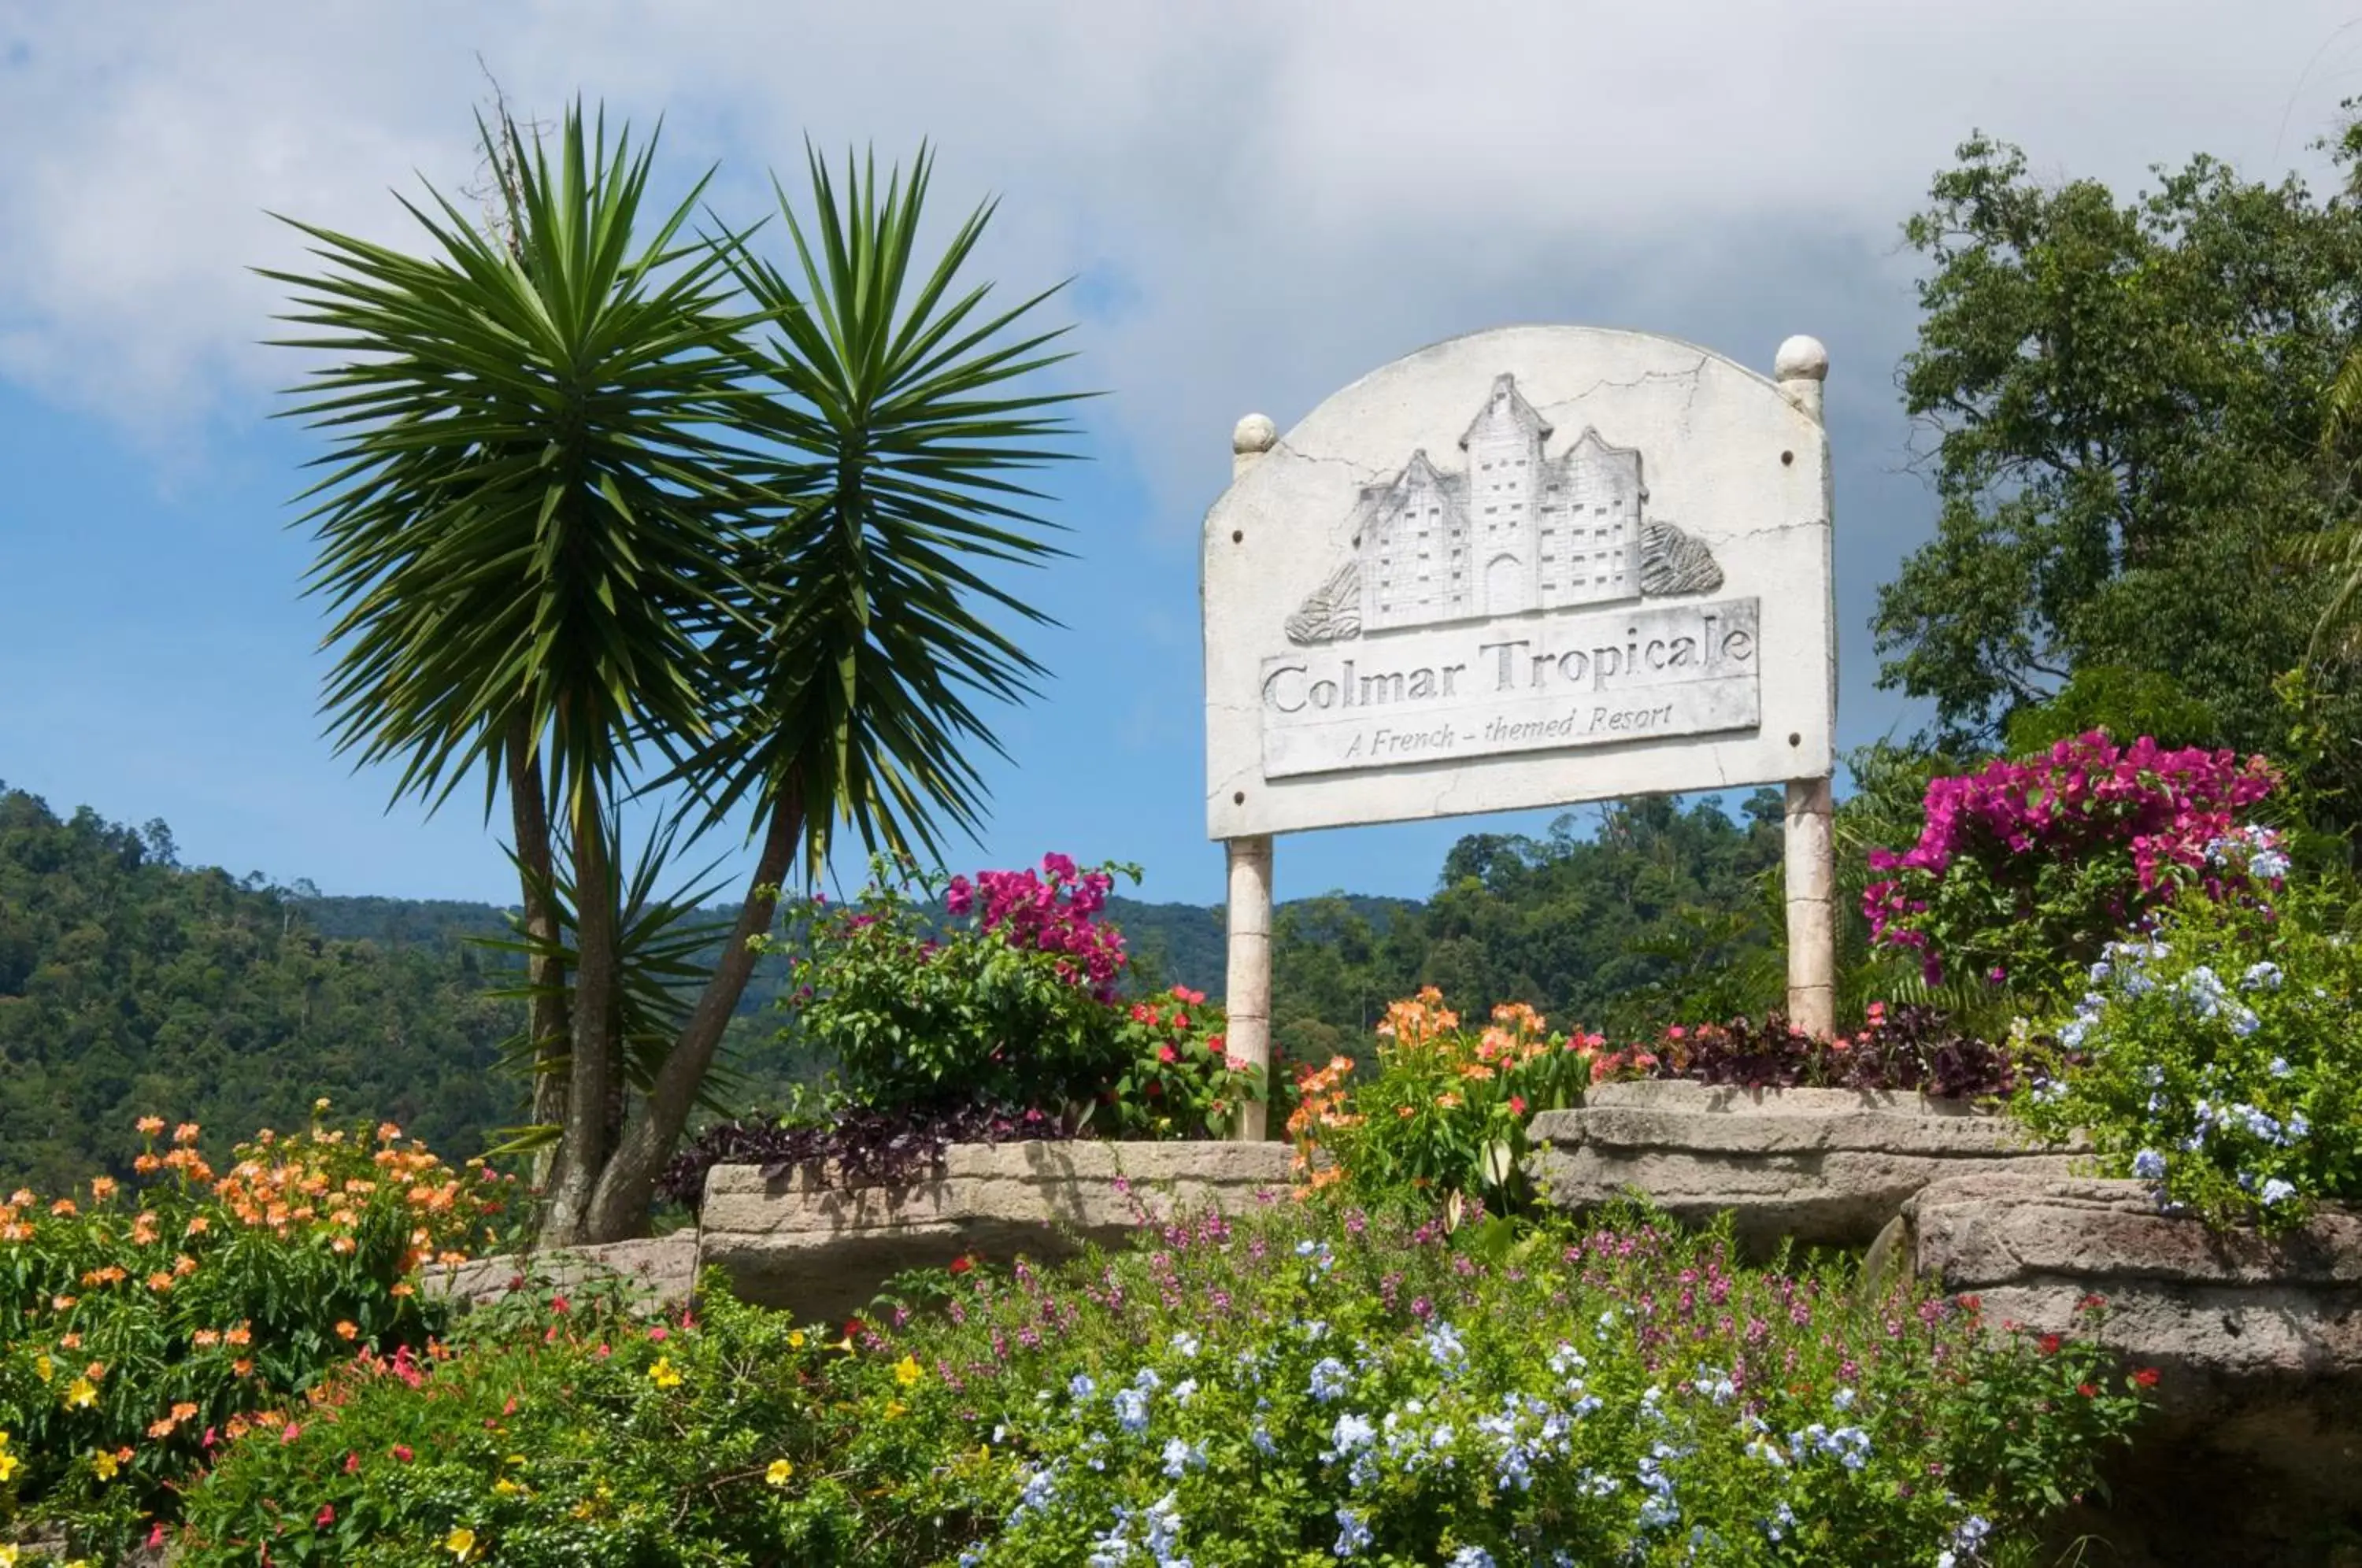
(138, 1323)
(929, 994)
(1446, 1110)
(1251, 1392)
(2127, 401)
(128, 981)
(2222, 1062)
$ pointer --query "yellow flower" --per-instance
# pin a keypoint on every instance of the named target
(43, 1368)
(907, 1372)
(779, 1472)
(506, 1488)
(82, 1394)
(796, 1338)
(104, 1463)
(895, 1409)
(7, 1465)
(8, 1555)
(461, 1543)
(662, 1375)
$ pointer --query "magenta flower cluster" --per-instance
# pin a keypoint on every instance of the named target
(1054, 909)
(2086, 802)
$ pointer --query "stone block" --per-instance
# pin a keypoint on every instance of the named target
(664, 1267)
(808, 1242)
(2255, 1455)
(1821, 1167)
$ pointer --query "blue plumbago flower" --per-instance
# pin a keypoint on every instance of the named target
(1146, 1380)
(1597, 1485)
(1317, 1254)
(1352, 1533)
(1040, 1490)
(1113, 1547)
(1782, 1521)
(2243, 1020)
(1471, 1557)
(1316, 1330)
(1717, 1386)
(1330, 1379)
(2298, 1127)
(1184, 1390)
(1260, 1435)
(1968, 1538)
(971, 1557)
(1583, 1406)
(1442, 1341)
(1131, 1409)
(1843, 1399)
(2268, 864)
(2279, 1068)
(1164, 1521)
(2262, 975)
(1658, 1508)
(1352, 1434)
(2047, 1089)
(1181, 1457)
(1186, 1342)
(1081, 1386)
(1566, 1359)
(2275, 1190)
(2149, 1165)
(1769, 1452)
(2260, 1124)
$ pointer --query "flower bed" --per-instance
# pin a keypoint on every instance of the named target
(1307, 1383)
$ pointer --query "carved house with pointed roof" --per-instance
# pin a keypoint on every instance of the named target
(1514, 531)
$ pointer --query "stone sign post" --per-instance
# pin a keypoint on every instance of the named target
(1525, 567)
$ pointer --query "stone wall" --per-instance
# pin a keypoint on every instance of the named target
(805, 1241)
(2255, 1455)
(1824, 1167)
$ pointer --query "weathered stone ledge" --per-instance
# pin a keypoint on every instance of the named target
(661, 1269)
(806, 1242)
(1822, 1166)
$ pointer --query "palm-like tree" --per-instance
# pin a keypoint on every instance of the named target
(612, 506)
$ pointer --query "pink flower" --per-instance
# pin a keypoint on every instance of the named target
(401, 1452)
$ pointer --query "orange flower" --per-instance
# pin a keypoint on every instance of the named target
(239, 1335)
(61, 1303)
(402, 1287)
(185, 1133)
(147, 1164)
(64, 1207)
(101, 1187)
(159, 1281)
(95, 1371)
(242, 1365)
(162, 1427)
(387, 1132)
(183, 1265)
(341, 1245)
(69, 1342)
(346, 1330)
(198, 1225)
(181, 1412)
(150, 1125)
(205, 1339)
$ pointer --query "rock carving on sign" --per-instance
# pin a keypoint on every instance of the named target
(1513, 530)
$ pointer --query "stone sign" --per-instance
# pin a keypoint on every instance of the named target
(1522, 568)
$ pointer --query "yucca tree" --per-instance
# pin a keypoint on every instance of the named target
(611, 505)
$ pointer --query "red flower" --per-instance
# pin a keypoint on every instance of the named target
(2091, 1303)
(2146, 1377)
(2049, 1343)
(1971, 1304)
(962, 1264)
(352, 1463)
(401, 1452)
(2086, 1390)
(1516, 1105)
(325, 1516)
(1165, 1054)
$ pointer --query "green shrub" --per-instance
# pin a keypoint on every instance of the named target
(1309, 1384)
(1010, 1001)
(144, 1327)
(2222, 1064)
(1447, 1109)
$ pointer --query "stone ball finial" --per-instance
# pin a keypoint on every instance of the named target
(1256, 433)
(1801, 359)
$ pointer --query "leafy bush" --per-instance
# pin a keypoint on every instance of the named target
(139, 1329)
(1446, 1110)
(2221, 1062)
(1906, 1047)
(2024, 870)
(1011, 1002)
(1309, 1384)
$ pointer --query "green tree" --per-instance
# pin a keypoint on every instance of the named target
(611, 506)
(2126, 400)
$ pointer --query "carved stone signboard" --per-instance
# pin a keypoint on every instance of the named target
(1525, 567)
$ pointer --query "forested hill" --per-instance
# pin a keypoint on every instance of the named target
(130, 984)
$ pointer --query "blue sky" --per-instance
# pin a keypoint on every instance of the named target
(1245, 232)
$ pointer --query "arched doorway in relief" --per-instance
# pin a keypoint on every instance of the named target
(1504, 585)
